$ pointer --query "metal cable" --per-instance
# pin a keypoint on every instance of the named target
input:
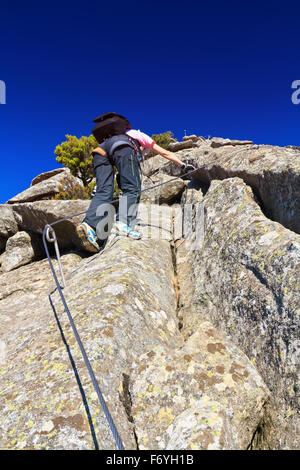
(50, 236)
(83, 352)
(116, 200)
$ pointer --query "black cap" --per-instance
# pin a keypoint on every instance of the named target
(110, 115)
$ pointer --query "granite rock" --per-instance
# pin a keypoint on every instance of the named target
(22, 248)
(8, 224)
(33, 216)
(46, 188)
(246, 281)
(48, 174)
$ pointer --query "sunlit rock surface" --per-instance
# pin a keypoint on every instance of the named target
(192, 332)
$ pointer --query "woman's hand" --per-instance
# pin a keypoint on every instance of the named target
(187, 167)
(168, 155)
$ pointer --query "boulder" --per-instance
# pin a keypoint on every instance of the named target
(272, 172)
(8, 224)
(47, 175)
(186, 144)
(33, 216)
(21, 249)
(246, 281)
(220, 142)
(192, 137)
(165, 194)
(46, 188)
(294, 147)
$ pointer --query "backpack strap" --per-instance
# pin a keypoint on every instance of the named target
(112, 144)
(120, 143)
(99, 150)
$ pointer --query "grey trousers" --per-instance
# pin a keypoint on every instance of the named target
(126, 161)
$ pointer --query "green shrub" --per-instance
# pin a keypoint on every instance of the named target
(164, 139)
(76, 154)
(73, 192)
(81, 192)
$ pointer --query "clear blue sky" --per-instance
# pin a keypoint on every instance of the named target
(214, 67)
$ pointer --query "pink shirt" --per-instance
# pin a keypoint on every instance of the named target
(143, 139)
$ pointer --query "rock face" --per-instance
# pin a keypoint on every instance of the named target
(120, 321)
(28, 333)
(8, 225)
(165, 194)
(125, 311)
(155, 222)
(152, 165)
(192, 332)
(197, 397)
(246, 281)
(46, 188)
(273, 173)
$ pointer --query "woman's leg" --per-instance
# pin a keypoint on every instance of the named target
(129, 180)
(105, 189)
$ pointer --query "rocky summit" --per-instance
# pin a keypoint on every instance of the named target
(192, 332)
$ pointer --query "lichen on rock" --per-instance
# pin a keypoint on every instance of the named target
(192, 332)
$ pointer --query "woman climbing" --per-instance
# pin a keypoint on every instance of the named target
(119, 146)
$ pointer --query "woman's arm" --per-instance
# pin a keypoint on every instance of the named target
(166, 154)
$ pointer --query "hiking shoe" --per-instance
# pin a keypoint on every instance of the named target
(123, 229)
(88, 237)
